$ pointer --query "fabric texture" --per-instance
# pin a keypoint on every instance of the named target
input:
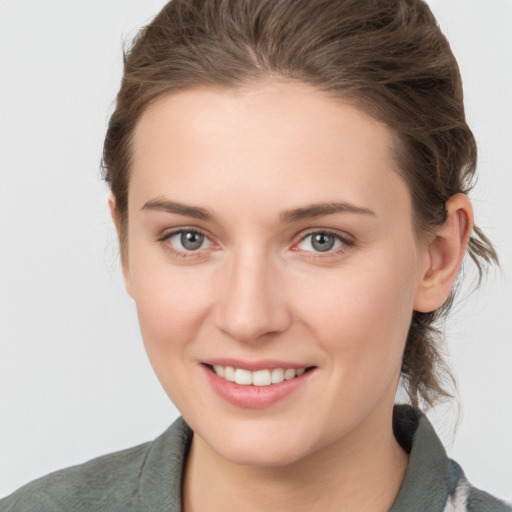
(148, 477)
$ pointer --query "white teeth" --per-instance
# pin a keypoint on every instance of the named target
(219, 370)
(262, 378)
(257, 378)
(243, 377)
(229, 373)
(277, 375)
(289, 373)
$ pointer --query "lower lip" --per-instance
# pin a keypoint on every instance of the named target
(254, 397)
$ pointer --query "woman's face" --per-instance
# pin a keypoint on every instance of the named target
(269, 231)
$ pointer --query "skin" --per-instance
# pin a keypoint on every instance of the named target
(257, 289)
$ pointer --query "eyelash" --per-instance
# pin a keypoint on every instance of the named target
(346, 243)
(165, 241)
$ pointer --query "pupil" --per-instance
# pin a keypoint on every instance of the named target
(322, 242)
(191, 241)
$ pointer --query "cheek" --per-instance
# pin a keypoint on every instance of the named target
(361, 316)
(171, 305)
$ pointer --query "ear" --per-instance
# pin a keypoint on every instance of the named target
(444, 254)
(114, 213)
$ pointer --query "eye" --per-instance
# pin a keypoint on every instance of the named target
(186, 241)
(323, 242)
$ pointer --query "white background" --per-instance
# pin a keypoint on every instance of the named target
(74, 379)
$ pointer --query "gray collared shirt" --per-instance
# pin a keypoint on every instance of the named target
(148, 477)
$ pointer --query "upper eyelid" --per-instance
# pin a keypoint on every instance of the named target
(347, 243)
(343, 236)
(167, 233)
(183, 253)
(164, 240)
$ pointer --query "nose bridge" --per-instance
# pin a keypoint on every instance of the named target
(251, 303)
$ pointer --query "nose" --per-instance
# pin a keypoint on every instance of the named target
(251, 304)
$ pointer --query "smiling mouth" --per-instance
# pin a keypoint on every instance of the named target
(257, 378)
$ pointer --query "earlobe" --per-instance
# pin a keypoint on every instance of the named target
(114, 213)
(445, 253)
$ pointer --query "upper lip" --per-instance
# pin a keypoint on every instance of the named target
(261, 364)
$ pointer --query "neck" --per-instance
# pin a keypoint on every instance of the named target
(360, 472)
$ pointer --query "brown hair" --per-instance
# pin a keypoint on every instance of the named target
(388, 57)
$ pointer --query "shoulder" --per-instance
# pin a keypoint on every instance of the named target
(480, 501)
(100, 482)
(433, 482)
(466, 498)
(122, 481)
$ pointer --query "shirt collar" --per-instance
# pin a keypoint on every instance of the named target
(430, 477)
(429, 480)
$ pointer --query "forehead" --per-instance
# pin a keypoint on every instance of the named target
(280, 139)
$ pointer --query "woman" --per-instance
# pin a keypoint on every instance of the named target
(289, 189)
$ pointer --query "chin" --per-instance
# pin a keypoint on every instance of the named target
(261, 454)
(258, 444)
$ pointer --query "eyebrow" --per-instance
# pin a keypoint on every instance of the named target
(320, 209)
(179, 208)
(286, 217)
